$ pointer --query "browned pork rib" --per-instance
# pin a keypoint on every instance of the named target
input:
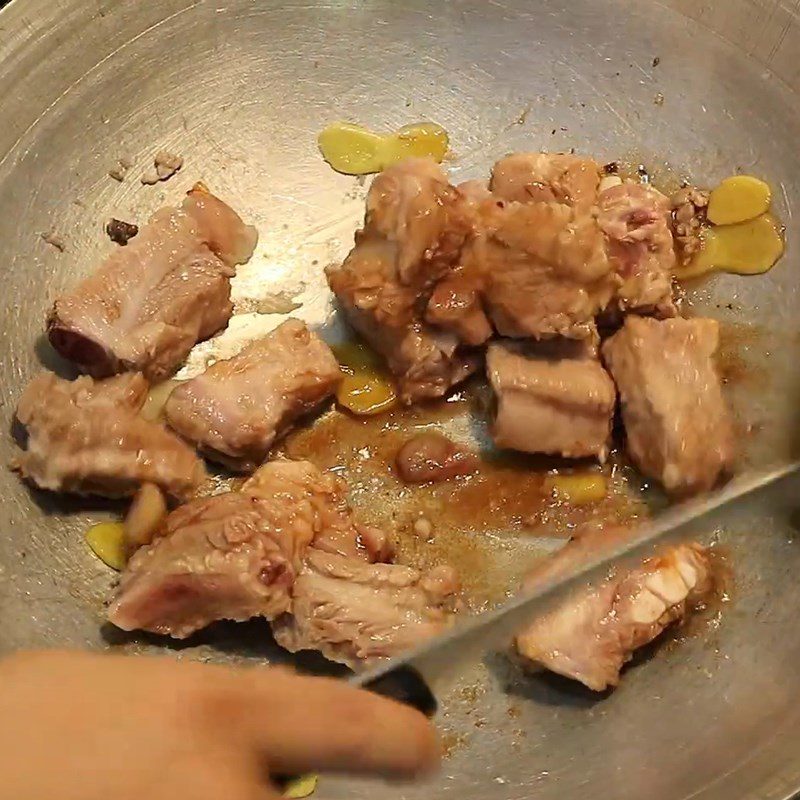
(636, 221)
(594, 633)
(238, 407)
(550, 404)
(455, 305)
(547, 177)
(413, 232)
(531, 265)
(150, 302)
(285, 547)
(221, 557)
(548, 273)
(431, 456)
(236, 555)
(353, 612)
(540, 253)
(544, 269)
(677, 424)
(85, 436)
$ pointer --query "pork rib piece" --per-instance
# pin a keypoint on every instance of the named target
(540, 253)
(221, 557)
(262, 552)
(543, 269)
(677, 425)
(150, 302)
(546, 177)
(412, 234)
(85, 436)
(594, 633)
(236, 555)
(636, 220)
(238, 407)
(353, 612)
(533, 263)
(547, 403)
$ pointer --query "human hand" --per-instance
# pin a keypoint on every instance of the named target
(77, 726)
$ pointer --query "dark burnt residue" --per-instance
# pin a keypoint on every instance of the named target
(121, 232)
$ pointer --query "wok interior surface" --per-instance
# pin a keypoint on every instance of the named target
(241, 88)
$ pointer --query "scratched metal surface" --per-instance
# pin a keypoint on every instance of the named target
(240, 88)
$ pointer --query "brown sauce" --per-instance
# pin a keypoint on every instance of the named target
(473, 522)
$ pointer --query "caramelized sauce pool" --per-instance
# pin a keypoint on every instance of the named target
(487, 525)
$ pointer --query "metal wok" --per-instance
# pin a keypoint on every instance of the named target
(240, 88)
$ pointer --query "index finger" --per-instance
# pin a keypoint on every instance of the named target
(301, 724)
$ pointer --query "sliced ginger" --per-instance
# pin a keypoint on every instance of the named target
(748, 248)
(107, 541)
(367, 388)
(355, 150)
(738, 199)
(157, 398)
(578, 489)
(300, 787)
(148, 510)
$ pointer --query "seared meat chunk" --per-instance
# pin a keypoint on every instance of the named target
(636, 221)
(354, 612)
(545, 178)
(86, 436)
(633, 218)
(550, 404)
(456, 306)
(221, 557)
(236, 555)
(285, 548)
(238, 407)
(534, 262)
(150, 302)
(677, 424)
(543, 268)
(431, 456)
(318, 499)
(594, 633)
(413, 231)
(540, 253)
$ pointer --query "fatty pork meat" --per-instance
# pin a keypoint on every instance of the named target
(595, 632)
(549, 402)
(151, 301)
(87, 437)
(678, 428)
(286, 548)
(412, 234)
(238, 407)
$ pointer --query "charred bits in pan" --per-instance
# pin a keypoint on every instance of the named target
(121, 232)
